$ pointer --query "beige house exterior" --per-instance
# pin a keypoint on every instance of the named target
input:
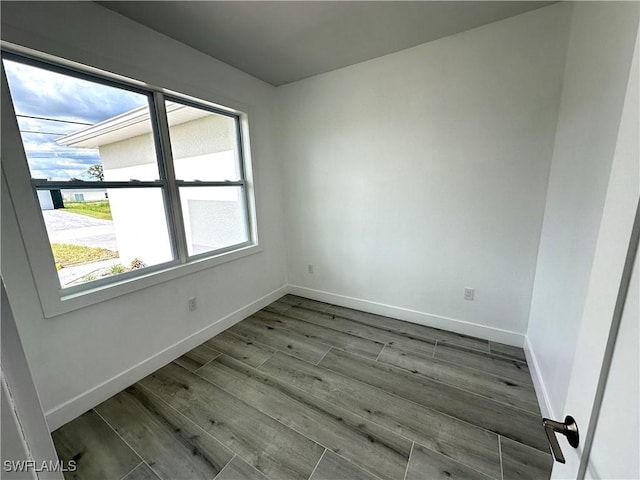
(204, 148)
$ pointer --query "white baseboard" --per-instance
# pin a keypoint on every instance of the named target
(538, 381)
(421, 318)
(58, 416)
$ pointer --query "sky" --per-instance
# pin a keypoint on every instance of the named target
(40, 93)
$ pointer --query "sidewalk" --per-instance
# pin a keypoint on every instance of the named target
(66, 227)
(75, 229)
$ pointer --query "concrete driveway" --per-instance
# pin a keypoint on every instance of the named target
(67, 227)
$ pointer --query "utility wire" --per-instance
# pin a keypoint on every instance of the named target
(43, 133)
(53, 119)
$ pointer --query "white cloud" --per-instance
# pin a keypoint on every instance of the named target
(42, 93)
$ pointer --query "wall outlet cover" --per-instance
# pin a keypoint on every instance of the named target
(193, 304)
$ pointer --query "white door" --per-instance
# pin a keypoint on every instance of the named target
(616, 444)
(610, 450)
(25, 434)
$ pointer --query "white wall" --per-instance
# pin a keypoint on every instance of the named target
(414, 175)
(597, 70)
(72, 355)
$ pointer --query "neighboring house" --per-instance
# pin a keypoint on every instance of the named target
(203, 146)
(79, 195)
(72, 195)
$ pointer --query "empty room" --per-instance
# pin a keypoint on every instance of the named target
(321, 240)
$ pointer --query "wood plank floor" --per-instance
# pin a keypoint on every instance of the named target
(304, 390)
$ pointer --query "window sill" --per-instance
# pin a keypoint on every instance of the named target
(53, 307)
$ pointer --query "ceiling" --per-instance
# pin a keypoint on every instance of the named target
(281, 42)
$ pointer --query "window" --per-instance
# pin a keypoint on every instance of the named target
(128, 180)
(208, 169)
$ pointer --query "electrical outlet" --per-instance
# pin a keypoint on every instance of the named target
(310, 268)
(469, 293)
(193, 304)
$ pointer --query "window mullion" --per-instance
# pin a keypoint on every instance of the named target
(172, 193)
(40, 184)
(199, 183)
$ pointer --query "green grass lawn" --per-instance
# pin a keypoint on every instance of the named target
(66, 255)
(100, 209)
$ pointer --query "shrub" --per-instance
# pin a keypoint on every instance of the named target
(117, 268)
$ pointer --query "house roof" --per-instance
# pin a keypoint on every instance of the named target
(130, 124)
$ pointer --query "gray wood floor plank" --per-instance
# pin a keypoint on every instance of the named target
(277, 307)
(281, 339)
(194, 359)
(523, 462)
(296, 301)
(334, 467)
(472, 446)
(426, 464)
(168, 442)
(486, 362)
(328, 336)
(238, 469)
(500, 389)
(268, 445)
(240, 348)
(362, 442)
(507, 351)
(360, 330)
(141, 472)
(499, 418)
(271, 411)
(97, 450)
(406, 328)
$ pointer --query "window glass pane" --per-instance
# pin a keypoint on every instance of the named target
(204, 144)
(74, 128)
(98, 233)
(214, 217)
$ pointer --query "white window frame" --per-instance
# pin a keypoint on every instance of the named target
(22, 193)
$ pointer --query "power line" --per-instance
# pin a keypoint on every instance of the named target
(53, 119)
(84, 152)
(42, 133)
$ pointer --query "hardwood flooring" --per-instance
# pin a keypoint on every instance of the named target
(304, 390)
